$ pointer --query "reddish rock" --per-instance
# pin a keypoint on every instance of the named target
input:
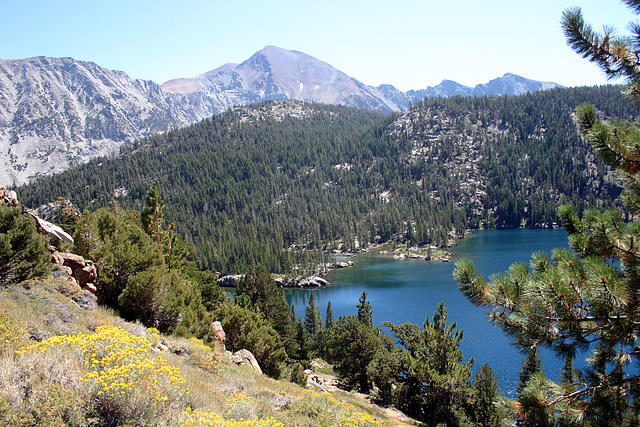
(91, 288)
(56, 258)
(220, 335)
(82, 270)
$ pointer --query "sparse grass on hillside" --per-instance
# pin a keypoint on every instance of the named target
(94, 369)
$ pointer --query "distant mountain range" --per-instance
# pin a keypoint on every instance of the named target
(58, 112)
(275, 73)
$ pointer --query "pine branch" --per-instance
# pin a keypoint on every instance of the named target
(633, 5)
(612, 54)
(592, 390)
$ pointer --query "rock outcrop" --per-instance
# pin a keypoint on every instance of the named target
(220, 337)
(9, 197)
(229, 281)
(313, 281)
(301, 282)
(341, 264)
(57, 234)
(82, 269)
(79, 274)
(245, 357)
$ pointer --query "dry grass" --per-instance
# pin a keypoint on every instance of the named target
(86, 374)
(42, 390)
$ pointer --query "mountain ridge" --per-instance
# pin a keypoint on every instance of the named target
(352, 92)
(59, 112)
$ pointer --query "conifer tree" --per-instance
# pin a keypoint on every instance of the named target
(247, 329)
(365, 312)
(438, 365)
(358, 350)
(486, 385)
(329, 322)
(313, 328)
(531, 365)
(355, 348)
(436, 371)
(24, 253)
(312, 319)
(567, 374)
(260, 291)
(587, 298)
(530, 411)
(152, 215)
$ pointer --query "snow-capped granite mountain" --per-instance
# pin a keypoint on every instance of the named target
(58, 112)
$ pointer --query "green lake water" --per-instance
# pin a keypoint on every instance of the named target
(409, 290)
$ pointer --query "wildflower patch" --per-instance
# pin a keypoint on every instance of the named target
(202, 418)
(120, 364)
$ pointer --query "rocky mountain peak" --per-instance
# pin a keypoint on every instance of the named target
(276, 73)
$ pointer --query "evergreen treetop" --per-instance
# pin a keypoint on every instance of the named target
(531, 365)
(312, 318)
(365, 311)
(152, 215)
(329, 322)
(486, 385)
(437, 372)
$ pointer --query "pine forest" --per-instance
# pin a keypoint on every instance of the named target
(279, 183)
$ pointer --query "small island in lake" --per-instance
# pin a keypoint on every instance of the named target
(429, 253)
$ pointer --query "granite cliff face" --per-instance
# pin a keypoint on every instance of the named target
(58, 112)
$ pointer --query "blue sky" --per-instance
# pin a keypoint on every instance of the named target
(411, 44)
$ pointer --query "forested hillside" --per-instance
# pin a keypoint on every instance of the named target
(510, 161)
(257, 184)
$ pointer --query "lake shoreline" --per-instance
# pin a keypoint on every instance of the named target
(409, 290)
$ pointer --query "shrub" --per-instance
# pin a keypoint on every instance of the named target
(23, 252)
(296, 374)
(247, 329)
(202, 418)
(333, 412)
(126, 384)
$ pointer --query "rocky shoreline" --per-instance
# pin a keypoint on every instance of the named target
(312, 281)
(316, 280)
(431, 254)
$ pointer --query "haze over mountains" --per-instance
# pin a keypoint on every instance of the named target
(59, 112)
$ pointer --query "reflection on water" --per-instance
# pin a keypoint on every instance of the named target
(409, 290)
